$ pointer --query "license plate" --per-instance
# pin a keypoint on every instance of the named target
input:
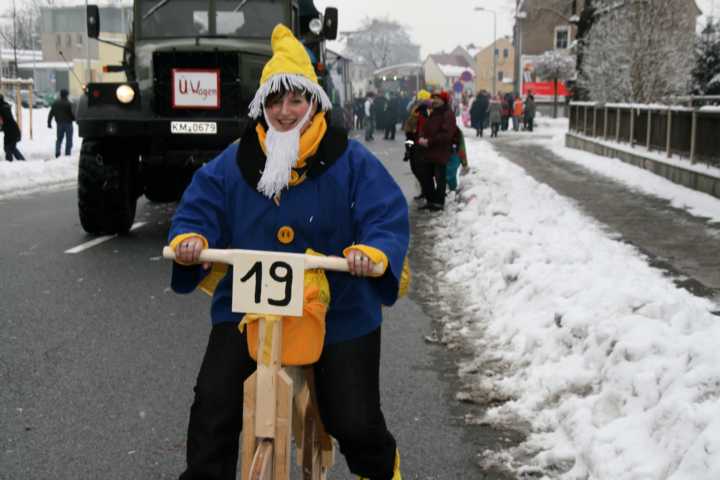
(193, 128)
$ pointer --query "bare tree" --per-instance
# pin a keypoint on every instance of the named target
(23, 30)
(380, 43)
(556, 66)
(641, 51)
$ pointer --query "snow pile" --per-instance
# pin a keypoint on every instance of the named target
(41, 170)
(615, 370)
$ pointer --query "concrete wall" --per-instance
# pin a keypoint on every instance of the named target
(697, 181)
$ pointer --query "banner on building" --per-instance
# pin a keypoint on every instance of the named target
(545, 89)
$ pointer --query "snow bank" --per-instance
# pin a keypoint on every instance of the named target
(614, 369)
(41, 170)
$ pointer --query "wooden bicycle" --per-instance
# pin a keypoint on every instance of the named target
(279, 401)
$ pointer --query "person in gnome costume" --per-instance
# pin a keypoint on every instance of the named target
(294, 183)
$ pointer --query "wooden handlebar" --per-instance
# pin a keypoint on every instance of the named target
(337, 264)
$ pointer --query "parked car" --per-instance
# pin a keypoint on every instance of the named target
(38, 100)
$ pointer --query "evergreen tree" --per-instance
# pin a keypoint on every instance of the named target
(706, 73)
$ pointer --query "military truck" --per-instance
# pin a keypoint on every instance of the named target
(192, 68)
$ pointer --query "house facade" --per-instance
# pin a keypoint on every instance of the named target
(504, 67)
(64, 41)
(444, 71)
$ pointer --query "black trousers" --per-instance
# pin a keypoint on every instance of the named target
(434, 182)
(390, 132)
(417, 158)
(348, 393)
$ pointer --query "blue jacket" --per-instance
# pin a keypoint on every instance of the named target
(347, 198)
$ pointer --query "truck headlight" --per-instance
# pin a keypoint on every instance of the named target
(125, 93)
(315, 26)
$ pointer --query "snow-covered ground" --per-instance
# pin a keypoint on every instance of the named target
(614, 369)
(41, 170)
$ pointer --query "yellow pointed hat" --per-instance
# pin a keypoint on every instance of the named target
(289, 68)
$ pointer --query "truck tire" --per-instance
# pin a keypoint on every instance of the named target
(107, 187)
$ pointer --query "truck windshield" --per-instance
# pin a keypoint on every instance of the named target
(190, 18)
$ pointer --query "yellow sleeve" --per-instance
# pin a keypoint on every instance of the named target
(210, 282)
(405, 277)
(218, 271)
(176, 241)
(376, 255)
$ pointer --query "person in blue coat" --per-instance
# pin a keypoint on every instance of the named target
(292, 183)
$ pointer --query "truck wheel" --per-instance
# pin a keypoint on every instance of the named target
(107, 187)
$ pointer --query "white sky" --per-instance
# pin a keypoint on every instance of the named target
(434, 25)
(437, 25)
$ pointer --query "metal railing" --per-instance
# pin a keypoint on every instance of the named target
(689, 132)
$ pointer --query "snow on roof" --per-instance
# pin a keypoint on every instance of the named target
(8, 54)
(447, 59)
(454, 70)
(46, 65)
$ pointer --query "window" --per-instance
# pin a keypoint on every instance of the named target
(506, 53)
(500, 76)
(497, 52)
(562, 37)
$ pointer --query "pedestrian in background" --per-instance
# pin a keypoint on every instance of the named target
(507, 106)
(457, 157)
(11, 132)
(529, 116)
(359, 111)
(369, 117)
(392, 114)
(412, 126)
(495, 114)
(436, 136)
(478, 112)
(380, 111)
(517, 113)
(62, 111)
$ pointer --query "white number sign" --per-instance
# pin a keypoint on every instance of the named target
(269, 282)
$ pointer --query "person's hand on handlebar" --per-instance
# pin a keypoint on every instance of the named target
(188, 251)
(359, 264)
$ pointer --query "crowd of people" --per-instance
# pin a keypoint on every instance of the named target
(498, 111)
(381, 111)
(435, 147)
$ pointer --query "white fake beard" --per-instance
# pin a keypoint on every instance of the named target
(282, 154)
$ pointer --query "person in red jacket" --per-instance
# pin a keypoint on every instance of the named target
(436, 137)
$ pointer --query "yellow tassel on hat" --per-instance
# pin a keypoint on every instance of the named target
(289, 68)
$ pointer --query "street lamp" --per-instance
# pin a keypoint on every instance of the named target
(494, 53)
(517, 70)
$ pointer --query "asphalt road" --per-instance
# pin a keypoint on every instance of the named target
(98, 357)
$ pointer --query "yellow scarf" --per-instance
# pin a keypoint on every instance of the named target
(309, 143)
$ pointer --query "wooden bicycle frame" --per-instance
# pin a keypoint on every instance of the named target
(278, 401)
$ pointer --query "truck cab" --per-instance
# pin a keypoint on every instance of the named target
(192, 67)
